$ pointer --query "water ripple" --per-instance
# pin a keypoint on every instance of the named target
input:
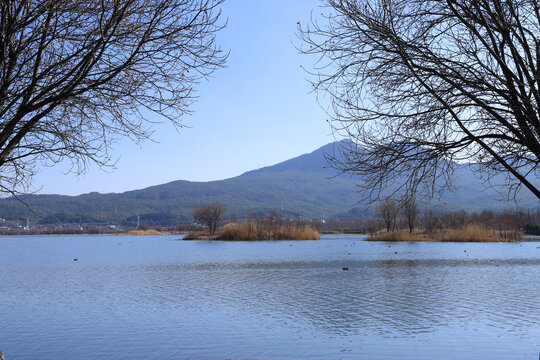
(287, 303)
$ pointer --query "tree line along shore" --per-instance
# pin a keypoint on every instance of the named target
(395, 222)
(390, 223)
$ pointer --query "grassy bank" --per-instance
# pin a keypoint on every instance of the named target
(469, 233)
(255, 230)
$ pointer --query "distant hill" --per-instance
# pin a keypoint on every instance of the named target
(301, 187)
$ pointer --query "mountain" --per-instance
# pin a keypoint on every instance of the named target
(300, 187)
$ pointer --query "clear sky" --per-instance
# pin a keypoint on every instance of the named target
(256, 112)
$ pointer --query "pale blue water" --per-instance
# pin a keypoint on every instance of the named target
(154, 297)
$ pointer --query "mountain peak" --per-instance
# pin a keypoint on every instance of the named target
(313, 162)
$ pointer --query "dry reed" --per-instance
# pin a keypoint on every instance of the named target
(394, 236)
(469, 233)
(472, 233)
(252, 230)
(144, 232)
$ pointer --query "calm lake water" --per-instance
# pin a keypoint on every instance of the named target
(153, 297)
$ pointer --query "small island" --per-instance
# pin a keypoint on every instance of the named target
(253, 230)
(272, 227)
(468, 233)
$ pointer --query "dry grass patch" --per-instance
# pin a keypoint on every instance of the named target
(401, 235)
(254, 230)
(199, 235)
(251, 230)
(477, 233)
(144, 232)
(469, 233)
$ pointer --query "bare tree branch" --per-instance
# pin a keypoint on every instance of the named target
(421, 86)
(209, 215)
(75, 76)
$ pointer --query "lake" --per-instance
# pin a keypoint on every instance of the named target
(154, 297)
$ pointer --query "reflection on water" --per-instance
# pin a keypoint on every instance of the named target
(156, 298)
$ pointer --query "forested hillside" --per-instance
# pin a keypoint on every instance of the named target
(300, 187)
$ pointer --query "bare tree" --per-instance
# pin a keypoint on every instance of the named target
(388, 210)
(209, 215)
(75, 75)
(419, 86)
(410, 210)
(431, 220)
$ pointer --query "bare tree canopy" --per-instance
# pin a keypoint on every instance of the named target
(410, 210)
(209, 215)
(419, 86)
(75, 75)
(388, 210)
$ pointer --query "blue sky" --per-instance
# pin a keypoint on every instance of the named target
(256, 112)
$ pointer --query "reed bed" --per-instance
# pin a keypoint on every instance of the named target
(400, 235)
(469, 233)
(477, 233)
(144, 232)
(253, 230)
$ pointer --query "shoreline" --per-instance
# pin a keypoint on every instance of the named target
(382, 236)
